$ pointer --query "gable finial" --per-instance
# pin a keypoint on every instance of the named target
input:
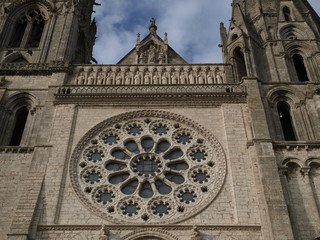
(152, 27)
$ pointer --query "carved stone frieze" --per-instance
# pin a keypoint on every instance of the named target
(12, 149)
(151, 75)
(33, 68)
(133, 227)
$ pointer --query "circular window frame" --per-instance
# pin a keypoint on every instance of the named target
(216, 163)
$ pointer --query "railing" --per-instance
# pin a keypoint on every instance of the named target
(144, 89)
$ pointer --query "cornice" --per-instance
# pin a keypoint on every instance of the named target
(33, 68)
(148, 94)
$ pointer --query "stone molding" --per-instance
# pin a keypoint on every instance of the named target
(122, 227)
(33, 68)
(296, 145)
(12, 149)
(143, 94)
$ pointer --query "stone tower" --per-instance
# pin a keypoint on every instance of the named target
(153, 147)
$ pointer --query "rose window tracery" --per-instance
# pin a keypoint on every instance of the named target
(147, 166)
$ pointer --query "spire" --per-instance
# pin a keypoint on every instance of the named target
(153, 28)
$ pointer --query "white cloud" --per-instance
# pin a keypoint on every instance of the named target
(192, 26)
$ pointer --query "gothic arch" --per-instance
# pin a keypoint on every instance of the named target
(287, 15)
(291, 32)
(312, 160)
(292, 160)
(20, 5)
(287, 111)
(239, 61)
(147, 233)
(26, 24)
(285, 93)
(16, 119)
(18, 100)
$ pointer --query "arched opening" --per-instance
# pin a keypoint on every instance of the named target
(28, 29)
(36, 33)
(240, 63)
(234, 37)
(18, 33)
(20, 123)
(286, 13)
(300, 68)
(286, 121)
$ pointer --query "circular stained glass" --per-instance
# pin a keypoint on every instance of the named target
(147, 167)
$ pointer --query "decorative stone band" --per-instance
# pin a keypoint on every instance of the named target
(296, 145)
(209, 93)
(152, 74)
(10, 149)
(133, 227)
(33, 68)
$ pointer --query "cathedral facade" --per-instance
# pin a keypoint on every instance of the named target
(154, 148)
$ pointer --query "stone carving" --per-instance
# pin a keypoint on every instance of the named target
(2, 10)
(118, 79)
(125, 76)
(104, 233)
(2, 81)
(195, 235)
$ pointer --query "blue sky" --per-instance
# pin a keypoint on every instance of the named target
(193, 28)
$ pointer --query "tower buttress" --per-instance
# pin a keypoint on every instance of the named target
(276, 41)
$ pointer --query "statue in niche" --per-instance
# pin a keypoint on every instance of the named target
(183, 77)
(191, 77)
(165, 78)
(128, 78)
(80, 78)
(118, 79)
(156, 78)
(201, 78)
(219, 76)
(137, 78)
(101, 78)
(209, 77)
(142, 58)
(162, 57)
(147, 78)
(2, 10)
(152, 54)
(109, 78)
(174, 78)
(91, 79)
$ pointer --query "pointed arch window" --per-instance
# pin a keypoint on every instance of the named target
(28, 30)
(240, 63)
(284, 113)
(21, 117)
(300, 68)
(286, 14)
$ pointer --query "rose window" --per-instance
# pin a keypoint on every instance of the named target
(147, 167)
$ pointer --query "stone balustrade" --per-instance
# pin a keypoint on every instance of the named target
(152, 74)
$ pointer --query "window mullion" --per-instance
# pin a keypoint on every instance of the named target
(26, 34)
